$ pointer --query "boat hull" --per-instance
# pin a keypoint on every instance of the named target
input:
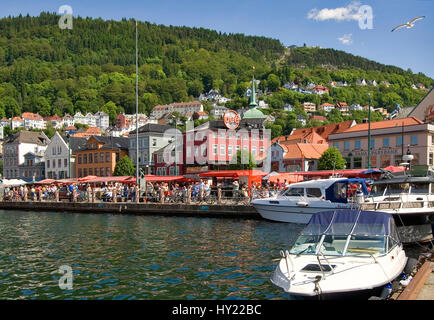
(352, 280)
(290, 214)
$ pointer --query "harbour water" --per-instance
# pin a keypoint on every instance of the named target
(139, 257)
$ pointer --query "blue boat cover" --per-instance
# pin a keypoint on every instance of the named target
(355, 222)
(337, 192)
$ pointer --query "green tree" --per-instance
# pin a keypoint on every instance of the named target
(331, 159)
(244, 161)
(273, 82)
(124, 167)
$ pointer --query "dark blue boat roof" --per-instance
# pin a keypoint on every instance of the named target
(355, 222)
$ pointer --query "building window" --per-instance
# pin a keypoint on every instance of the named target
(229, 150)
(48, 163)
(386, 142)
(346, 145)
(85, 158)
(54, 163)
(90, 157)
(372, 143)
(85, 172)
(101, 157)
(414, 140)
(336, 145)
(65, 162)
(357, 163)
(108, 172)
(214, 149)
(154, 142)
(398, 141)
(79, 173)
(254, 151)
(95, 157)
(431, 158)
(357, 146)
(59, 163)
(222, 149)
(107, 157)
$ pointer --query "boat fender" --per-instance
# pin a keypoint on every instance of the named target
(387, 290)
(405, 283)
(302, 204)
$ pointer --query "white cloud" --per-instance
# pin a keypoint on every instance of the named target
(346, 39)
(348, 13)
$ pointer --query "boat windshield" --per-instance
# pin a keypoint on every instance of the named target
(378, 190)
(398, 188)
(333, 245)
(420, 188)
(306, 244)
(364, 245)
(294, 192)
(347, 233)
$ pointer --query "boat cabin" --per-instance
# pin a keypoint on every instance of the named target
(404, 185)
(335, 190)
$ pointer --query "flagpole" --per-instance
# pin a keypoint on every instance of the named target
(369, 132)
(137, 116)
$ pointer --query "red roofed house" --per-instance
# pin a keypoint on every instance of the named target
(320, 90)
(303, 156)
(32, 120)
(292, 157)
(91, 131)
(327, 107)
(319, 118)
(56, 121)
(317, 135)
(17, 122)
(343, 107)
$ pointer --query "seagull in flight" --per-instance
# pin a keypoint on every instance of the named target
(408, 24)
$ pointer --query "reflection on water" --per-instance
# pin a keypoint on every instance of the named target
(130, 257)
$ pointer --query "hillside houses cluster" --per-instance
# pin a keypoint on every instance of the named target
(29, 120)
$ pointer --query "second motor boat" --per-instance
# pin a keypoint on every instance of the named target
(297, 203)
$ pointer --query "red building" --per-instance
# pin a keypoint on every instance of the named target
(214, 144)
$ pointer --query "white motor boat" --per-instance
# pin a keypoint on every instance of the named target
(411, 202)
(297, 203)
(341, 254)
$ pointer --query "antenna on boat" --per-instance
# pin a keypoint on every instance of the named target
(137, 116)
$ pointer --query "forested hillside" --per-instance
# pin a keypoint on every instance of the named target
(92, 67)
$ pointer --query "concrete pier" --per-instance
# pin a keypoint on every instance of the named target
(184, 210)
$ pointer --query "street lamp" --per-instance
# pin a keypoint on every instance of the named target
(69, 155)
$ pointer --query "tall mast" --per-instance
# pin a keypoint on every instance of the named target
(137, 114)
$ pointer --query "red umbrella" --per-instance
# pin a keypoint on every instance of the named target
(46, 181)
(394, 169)
(87, 178)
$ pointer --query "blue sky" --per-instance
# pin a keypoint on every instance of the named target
(286, 20)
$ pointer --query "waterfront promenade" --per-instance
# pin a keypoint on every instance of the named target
(166, 209)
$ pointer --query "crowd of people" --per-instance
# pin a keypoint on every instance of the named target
(157, 192)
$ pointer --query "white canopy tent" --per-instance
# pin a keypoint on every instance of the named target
(13, 182)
